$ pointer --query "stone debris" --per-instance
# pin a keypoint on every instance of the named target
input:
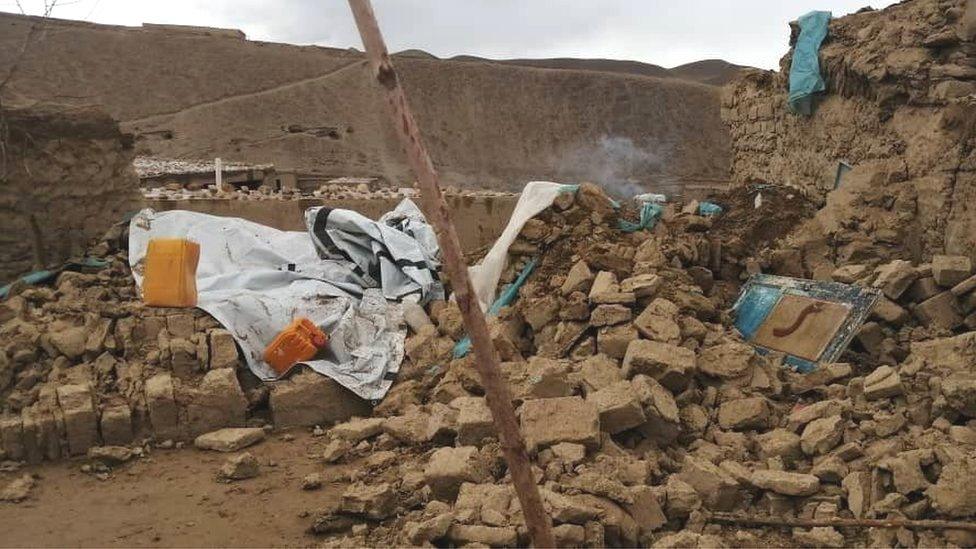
(240, 467)
(448, 468)
(111, 455)
(18, 489)
(312, 481)
(785, 483)
(547, 421)
(949, 270)
(230, 439)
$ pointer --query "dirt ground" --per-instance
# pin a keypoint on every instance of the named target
(171, 498)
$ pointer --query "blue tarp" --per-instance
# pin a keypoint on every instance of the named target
(805, 78)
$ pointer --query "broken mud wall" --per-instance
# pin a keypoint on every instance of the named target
(203, 93)
(65, 178)
(899, 109)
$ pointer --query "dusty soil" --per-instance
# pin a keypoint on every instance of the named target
(171, 498)
(782, 209)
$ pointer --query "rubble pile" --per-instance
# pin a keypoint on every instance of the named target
(84, 363)
(645, 414)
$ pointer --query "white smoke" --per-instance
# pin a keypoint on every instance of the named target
(616, 163)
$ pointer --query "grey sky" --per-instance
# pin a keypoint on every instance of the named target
(664, 32)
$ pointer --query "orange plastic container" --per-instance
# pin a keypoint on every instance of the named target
(299, 341)
(170, 277)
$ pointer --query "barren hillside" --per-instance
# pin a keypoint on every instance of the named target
(715, 72)
(200, 93)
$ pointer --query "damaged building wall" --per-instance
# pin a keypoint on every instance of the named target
(66, 178)
(899, 109)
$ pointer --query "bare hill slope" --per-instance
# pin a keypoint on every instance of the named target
(715, 72)
(200, 93)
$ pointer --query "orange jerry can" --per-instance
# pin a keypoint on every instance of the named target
(301, 340)
(170, 277)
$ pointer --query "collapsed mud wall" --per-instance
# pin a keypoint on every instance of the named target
(65, 178)
(899, 109)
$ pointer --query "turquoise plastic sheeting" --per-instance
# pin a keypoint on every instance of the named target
(753, 308)
(650, 213)
(40, 277)
(709, 208)
(805, 78)
(507, 297)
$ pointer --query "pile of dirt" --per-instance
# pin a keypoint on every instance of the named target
(755, 217)
(312, 110)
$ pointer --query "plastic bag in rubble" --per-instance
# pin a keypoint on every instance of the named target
(709, 209)
(651, 197)
(650, 213)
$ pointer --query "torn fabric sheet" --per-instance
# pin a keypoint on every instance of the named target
(535, 197)
(254, 280)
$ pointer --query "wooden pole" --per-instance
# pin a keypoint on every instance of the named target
(218, 175)
(497, 393)
(927, 524)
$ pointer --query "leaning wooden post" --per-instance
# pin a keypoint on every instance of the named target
(497, 393)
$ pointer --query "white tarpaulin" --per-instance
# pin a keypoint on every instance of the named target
(255, 280)
(535, 197)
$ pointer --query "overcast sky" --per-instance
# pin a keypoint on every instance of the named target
(664, 32)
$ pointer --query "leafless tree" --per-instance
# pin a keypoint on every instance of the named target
(49, 6)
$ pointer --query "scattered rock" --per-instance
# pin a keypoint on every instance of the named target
(548, 421)
(230, 439)
(954, 494)
(375, 501)
(448, 468)
(786, 483)
(110, 455)
(312, 481)
(744, 413)
(18, 489)
(822, 435)
(240, 467)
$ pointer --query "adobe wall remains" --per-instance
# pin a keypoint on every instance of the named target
(899, 108)
(65, 178)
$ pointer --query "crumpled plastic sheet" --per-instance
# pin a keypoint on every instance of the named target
(255, 279)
